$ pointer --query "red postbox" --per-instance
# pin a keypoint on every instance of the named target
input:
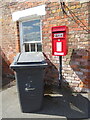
(59, 40)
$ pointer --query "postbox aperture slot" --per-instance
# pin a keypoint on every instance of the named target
(57, 35)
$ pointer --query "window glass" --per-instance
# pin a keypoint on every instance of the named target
(39, 47)
(31, 31)
(32, 47)
(26, 47)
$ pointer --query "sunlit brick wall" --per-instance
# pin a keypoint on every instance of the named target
(76, 64)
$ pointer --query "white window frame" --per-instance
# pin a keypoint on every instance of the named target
(22, 43)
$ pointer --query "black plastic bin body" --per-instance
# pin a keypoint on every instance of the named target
(29, 72)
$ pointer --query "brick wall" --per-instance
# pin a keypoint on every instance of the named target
(76, 67)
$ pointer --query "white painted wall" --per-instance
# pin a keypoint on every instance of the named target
(31, 12)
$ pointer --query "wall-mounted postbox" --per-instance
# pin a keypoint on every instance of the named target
(59, 40)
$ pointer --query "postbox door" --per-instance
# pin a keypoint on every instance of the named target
(59, 47)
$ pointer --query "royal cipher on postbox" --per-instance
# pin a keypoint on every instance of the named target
(59, 40)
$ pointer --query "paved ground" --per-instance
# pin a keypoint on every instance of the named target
(63, 104)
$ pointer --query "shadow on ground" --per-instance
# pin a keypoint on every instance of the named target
(67, 104)
(57, 103)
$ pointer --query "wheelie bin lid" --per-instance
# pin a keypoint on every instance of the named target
(27, 59)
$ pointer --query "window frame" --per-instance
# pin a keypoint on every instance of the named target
(22, 48)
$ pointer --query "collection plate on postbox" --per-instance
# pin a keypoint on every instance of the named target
(59, 40)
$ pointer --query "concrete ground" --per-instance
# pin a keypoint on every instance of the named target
(61, 104)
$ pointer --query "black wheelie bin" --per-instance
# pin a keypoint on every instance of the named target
(29, 73)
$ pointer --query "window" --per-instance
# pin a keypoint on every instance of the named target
(30, 34)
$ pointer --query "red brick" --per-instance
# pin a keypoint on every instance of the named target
(76, 38)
